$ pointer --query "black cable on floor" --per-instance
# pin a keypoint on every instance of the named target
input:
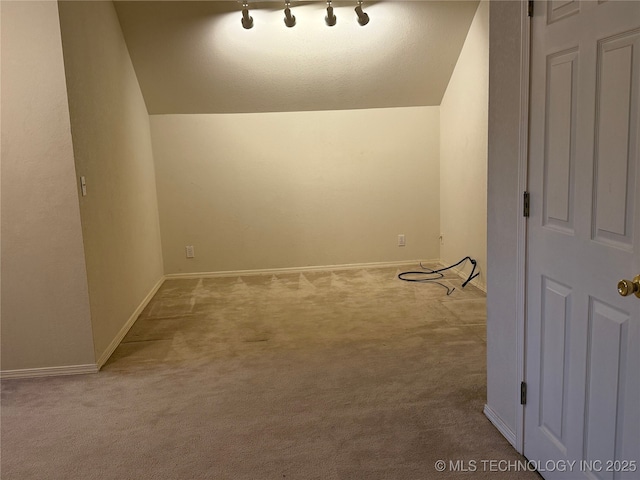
(427, 274)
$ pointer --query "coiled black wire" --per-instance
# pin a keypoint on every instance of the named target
(426, 274)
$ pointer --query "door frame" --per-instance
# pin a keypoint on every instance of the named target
(523, 185)
(512, 25)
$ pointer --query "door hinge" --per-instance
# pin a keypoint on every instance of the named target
(530, 8)
(525, 205)
(523, 393)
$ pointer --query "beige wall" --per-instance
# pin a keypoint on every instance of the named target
(45, 305)
(274, 190)
(463, 151)
(112, 145)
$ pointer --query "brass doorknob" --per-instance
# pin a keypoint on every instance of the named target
(628, 287)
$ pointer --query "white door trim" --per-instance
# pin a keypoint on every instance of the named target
(523, 161)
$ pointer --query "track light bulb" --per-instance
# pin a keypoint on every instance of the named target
(331, 19)
(247, 20)
(289, 20)
(363, 18)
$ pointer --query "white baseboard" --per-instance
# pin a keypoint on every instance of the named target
(89, 368)
(274, 271)
(49, 371)
(502, 427)
(127, 326)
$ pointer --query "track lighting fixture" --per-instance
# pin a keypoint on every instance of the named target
(289, 20)
(330, 18)
(363, 18)
(247, 20)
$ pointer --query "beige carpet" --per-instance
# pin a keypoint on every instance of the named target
(348, 374)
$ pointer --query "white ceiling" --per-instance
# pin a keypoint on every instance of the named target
(195, 57)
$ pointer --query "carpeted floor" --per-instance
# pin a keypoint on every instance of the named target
(348, 374)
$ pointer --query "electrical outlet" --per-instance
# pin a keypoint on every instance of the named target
(441, 237)
(189, 250)
(401, 240)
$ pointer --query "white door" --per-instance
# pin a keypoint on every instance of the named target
(582, 337)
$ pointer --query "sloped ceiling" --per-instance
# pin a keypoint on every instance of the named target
(195, 57)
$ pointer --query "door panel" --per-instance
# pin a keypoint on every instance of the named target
(583, 339)
(617, 140)
(608, 365)
(559, 159)
(556, 313)
(559, 9)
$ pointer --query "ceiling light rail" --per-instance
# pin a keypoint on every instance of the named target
(290, 19)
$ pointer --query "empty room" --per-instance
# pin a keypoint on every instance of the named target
(251, 239)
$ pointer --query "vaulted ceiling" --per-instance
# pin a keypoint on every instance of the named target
(195, 56)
